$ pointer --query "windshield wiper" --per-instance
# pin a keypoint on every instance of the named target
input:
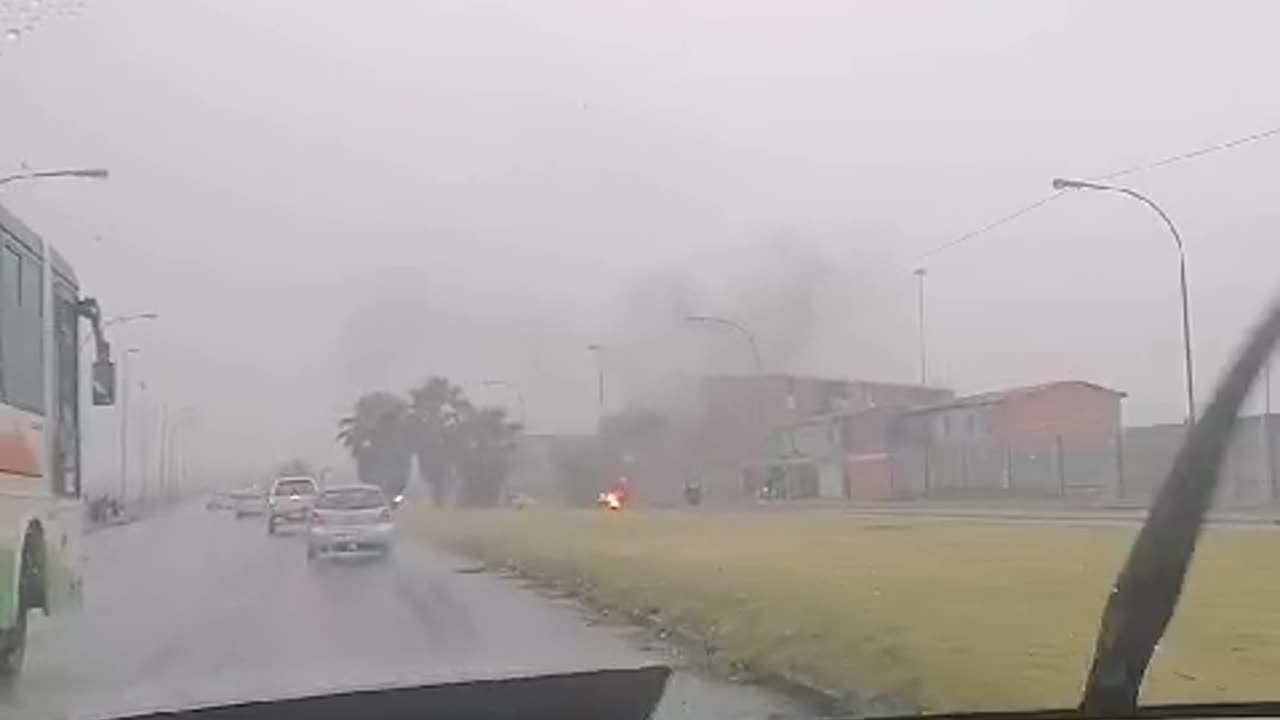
(1147, 590)
(1150, 582)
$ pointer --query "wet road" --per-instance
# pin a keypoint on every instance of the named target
(197, 607)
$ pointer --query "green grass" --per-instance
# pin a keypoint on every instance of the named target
(950, 616)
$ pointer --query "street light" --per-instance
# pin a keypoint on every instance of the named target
(751, 339)
(124, 423)
(924, 364)
(598, 349)
(79, 173)
(1066, 184)
(524, 413)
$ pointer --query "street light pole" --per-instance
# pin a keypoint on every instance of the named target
(124, 424)
(1269, 467)
(763, 417)
(81, 173)
(924, 361)
(598, 350)
(756, 363)
(1065, 184)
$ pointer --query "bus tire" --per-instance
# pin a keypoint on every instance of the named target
(14, 647)
(31, 594)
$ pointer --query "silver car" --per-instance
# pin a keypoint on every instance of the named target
(290, 501)
(350, 520)
(248, 501)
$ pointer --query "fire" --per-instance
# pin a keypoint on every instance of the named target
(611, 500)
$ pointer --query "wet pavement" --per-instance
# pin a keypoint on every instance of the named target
(196, 607)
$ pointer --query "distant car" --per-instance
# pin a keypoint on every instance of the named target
(218, 501)
(290, 501)
(247, 502)
(350, 520)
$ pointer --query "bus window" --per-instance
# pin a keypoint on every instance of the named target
(21, 349)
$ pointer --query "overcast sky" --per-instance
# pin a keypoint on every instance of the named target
(320, 198)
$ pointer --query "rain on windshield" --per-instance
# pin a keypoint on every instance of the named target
(829, 352)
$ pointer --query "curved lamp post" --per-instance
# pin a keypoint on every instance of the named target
(1067, 184)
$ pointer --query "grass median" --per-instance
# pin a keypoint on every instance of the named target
(941, 615)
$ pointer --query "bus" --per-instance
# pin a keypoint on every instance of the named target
(41, 516)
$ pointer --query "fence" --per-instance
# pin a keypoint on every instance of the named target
(1129, 467)
(1057, 466)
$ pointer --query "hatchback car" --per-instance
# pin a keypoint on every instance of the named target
(350, 520)
(247, 502)
(290, 502)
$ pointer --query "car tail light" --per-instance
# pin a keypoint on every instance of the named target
(385, 515)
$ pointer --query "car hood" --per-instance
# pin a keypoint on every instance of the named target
(622, 693)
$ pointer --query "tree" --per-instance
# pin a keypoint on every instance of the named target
(375, 434)
(436, 407)
(454, 442)
(486, 440)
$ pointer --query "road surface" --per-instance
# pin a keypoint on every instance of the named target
(196, 607)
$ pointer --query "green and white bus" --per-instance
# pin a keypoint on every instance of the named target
(41, 516)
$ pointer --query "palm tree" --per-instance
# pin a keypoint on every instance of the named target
(375, 434)
(435, 407)
(486, 439)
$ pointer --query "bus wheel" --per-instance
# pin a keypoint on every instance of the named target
(13, 642)
(13, 646)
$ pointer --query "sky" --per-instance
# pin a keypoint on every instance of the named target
(324, 198)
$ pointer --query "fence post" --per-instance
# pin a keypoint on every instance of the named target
(928, 481)
(1120, 464)
(1062, 465)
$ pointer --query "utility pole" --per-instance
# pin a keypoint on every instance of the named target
(124, 424)
(924, 359)
(145, 464)
(163, 477)
(598, 349)
(1269, 467)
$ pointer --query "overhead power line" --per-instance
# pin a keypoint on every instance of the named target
(1133, 170)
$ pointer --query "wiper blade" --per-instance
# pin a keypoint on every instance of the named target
(1150, 582)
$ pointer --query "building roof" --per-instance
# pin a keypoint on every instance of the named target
(996, 397)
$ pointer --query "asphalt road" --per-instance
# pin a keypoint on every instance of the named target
(197, 607)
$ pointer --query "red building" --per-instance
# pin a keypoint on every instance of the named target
(1048, 438)
(801, 429)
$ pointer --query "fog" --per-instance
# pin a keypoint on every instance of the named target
(324, 198)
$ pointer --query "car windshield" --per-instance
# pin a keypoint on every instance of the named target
(351, 499)
(833, 352)
(295, 487)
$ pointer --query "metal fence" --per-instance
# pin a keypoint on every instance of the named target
(1126, 468)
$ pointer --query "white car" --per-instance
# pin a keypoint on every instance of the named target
(350, 520)
(247, 501)
(289, 502)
